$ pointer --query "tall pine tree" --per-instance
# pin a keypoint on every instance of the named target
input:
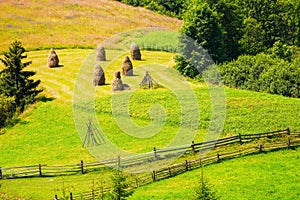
(14, 80)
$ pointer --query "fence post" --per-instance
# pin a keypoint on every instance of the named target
(170, 172)
(155, 153)
(289, 143)
(119, 162)
(193, 146)
(71, 196)
(218, 157)
(288, 131)
(260, 148)
(81, 167)
(154, 176)
(40, 170)
(1, 173)
(186, 165)
(240, 138)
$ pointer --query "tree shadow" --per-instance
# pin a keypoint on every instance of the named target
(45, 99)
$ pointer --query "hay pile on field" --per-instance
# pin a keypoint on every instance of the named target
(135, 52)
(117, 84)
(53, 60)
(127, 68)
(99, 76)
(100, 53)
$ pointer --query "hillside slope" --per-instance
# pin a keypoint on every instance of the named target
(265, 176)
(70, 23)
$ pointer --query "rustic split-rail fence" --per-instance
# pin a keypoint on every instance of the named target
(221, 149)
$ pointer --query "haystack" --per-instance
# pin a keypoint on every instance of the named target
(53, 60)
(100, 53)
(99, 76)
(127, 68)
(135, 52)
(117, 83)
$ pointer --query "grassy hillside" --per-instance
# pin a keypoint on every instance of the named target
(48, 129)
(268, 176)
(70, 23)
(46, 132)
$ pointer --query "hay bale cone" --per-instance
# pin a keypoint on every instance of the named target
(53, 60)
(127, 68)
(99, 76)
(100, 53)
(135, 52)
(117, 84)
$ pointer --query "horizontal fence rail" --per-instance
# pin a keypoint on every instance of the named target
(287, 140)
(157, 154)
(281, 139)
(180, 168)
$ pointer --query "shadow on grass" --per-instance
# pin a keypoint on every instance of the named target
(59, 66)
(45, 99)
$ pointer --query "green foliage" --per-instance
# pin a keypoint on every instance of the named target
(15, 82)
(263, 73)
(173, 8)
(205, 191)
(267, 14)
(216, 27)
(7, 109)
(119, 186)
(201, 35)
(280, 50)
(230, 19)
(252, 39)
(184, 67)
(201, 24)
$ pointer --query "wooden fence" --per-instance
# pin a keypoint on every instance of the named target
(284, 139)
(44, 170)
(278, 139)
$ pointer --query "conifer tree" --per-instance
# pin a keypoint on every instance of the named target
(14, 80)
(120, 186)
(205, 191)
(7, 109)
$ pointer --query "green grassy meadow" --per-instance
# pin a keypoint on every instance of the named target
(46, 132)
(47, 128)
(269, 176)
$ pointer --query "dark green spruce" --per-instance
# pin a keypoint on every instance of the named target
(16, 86)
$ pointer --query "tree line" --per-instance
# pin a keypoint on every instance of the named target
(173, 8)
(255, 43)
(17, 89)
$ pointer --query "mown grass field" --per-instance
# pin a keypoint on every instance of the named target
(47, 128)
(46, 132)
